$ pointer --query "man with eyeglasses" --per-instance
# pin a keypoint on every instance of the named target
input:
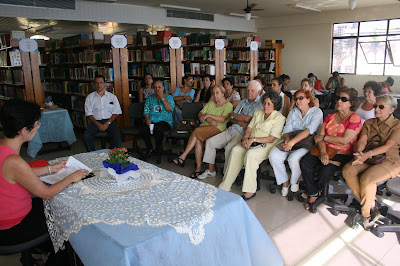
(228, 139)
(102, 109)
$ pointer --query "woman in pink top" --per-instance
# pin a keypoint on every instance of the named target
(338, 131)
(22, 218)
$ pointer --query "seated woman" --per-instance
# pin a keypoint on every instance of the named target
(181, 96)
(318, 84)
(335, 82)
(277, 86)
(148, 90)
(204, 94)
(286, 80)
(361, 176)
(261, 135)
(214, 119)
(21, 217)
(307, 85)
(336, 137)
(157, 112)
(387, 85)
(306, 119)
(231, 95)
(366, 109)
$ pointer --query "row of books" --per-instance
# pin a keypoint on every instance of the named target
(79, 119)
(205, 54)
(240, 80)
(12, 92)
(198, 69)
(10, 58)
(158, 71)
(237, 55)
(84, 73)
(12, 76)
(268, 43)
(266, 67)
(266, 55)
(87, 56)
(161, 55)
(242, 68)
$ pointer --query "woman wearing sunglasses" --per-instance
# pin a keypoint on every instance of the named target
(303, 121)
(334, 142)
(366, 109)
(382, 135)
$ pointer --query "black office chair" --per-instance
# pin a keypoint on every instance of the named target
(24, 248)
(135, 112)
(189, 111)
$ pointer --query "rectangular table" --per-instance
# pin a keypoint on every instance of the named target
(56, 126)
(161, 218)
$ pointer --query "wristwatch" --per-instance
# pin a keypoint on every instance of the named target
(232, 117)
(109, 123)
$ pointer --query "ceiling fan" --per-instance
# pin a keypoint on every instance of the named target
(250, 8)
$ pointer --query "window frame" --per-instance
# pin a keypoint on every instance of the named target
(386, 52)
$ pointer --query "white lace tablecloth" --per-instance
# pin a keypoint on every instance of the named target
(158, 197)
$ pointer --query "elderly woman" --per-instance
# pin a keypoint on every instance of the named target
(305, 119)
(21, 217)
(158, 116)
(148, 89)
(307, 84)
(366, 109)
(261, 135)
(277, 86)
(214, 119)
(383, 132)
(231, 95)
(335, 142)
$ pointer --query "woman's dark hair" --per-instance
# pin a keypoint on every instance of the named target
(310, 75)
(100, 76)
(262, 79)
(275, 99)
(17, 114)
(158, 80)
(353, 94)
(375, 86)
(390, 81)
(210, 77)
(335, 74)
(230, 80)
(186, 77)
(144, 79)
(284, 76)
(280, 82)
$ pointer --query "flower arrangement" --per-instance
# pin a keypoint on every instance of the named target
(118, 160)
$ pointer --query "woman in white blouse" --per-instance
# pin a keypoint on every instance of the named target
(306, 120)
(366, 109)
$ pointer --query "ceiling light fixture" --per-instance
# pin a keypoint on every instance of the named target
(352, 4)
(247, 16)
(306, 8)
(39, 37)
(241, 15)
(180, 7)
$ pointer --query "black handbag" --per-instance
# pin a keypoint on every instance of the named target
(186, 126)
(376, 159)
(306, 143)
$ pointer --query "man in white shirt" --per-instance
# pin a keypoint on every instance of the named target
(102, 108)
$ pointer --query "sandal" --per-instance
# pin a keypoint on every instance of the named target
(311, 199)
(195, 175)
(179, 161)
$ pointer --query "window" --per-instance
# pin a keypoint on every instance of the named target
(367, 48)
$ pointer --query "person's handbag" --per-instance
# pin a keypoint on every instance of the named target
(186, 126)
(306, 143)
(329, 150)
(376, 159)
(255, 145)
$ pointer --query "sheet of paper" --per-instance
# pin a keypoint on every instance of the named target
(72, 164)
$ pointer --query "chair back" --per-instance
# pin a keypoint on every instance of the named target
(136, 110)
(191, 110)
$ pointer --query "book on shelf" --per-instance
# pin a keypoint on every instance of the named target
(158, 71)
(135, 56)
(136, 70)
(241, 68)
(210, 69)
(162, 34)
(240, 80)
(12, 76)
(237, 55)
(15, 58)
(197, 82)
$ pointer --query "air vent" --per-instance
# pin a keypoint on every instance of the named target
(65, 4)
(172, 13)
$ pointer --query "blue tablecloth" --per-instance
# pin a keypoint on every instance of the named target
(233, 236)
(56, 126)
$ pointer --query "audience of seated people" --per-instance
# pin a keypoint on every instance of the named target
(334, 142)
(277, 86)
(22, 218)
(147, 88)
(204, 94)
(239, 118)
(231, 94)
(302, 122)
(335, 82)
(158, 111)
(261, 135)
(366, 109)
(213, 118)
(380, 135)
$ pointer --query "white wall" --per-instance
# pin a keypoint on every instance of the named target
(308, 42)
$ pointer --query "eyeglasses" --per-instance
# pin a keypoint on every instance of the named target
(381, 106)
(300, 98)
(343, 99)
(38, 124)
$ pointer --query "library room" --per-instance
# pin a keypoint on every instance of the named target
(196, 132)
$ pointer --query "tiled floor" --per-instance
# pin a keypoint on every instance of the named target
(301, 237)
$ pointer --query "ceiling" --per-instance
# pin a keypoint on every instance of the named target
(271, 8)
